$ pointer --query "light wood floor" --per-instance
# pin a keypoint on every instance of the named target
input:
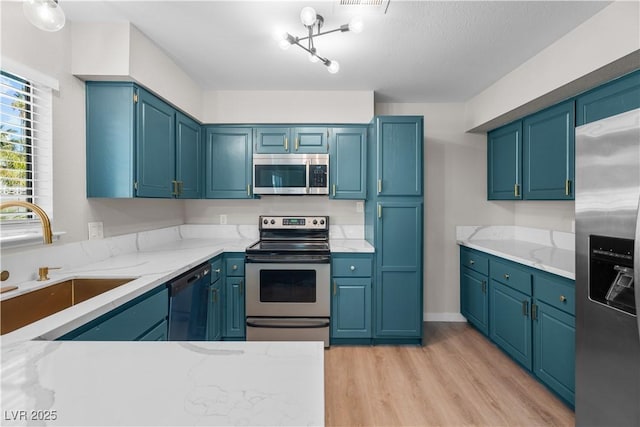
(458, 378)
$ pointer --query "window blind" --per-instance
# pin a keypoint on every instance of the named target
(25, 146)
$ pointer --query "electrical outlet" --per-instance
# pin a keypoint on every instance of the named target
(359, 207)
(96, 230)
(223, 219)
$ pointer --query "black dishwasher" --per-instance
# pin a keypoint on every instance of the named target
(188, 305)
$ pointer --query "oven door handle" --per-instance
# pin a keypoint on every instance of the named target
(287, 323)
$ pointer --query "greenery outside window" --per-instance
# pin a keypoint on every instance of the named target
(25, 151)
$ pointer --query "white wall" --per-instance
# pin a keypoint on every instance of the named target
(119, 51)
(288, 106)
(50, 54)
(455, 184)
(572, 64)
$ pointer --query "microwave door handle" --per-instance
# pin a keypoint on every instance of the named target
(636, 267)
(307, 165)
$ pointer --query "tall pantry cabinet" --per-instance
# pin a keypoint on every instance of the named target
(393, 225)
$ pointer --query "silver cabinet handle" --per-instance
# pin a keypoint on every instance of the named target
(352, 268)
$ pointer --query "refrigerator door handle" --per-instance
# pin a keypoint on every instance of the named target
(636, 267)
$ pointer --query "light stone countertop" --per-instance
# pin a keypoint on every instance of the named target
(163, 383)
(546, 250)
(148, 383)
(151, 257)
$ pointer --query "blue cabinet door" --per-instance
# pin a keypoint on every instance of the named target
(398, 293)
(156, 141)
(504, 157)
(234, 308)
(189, 164)
(272, 139)
(613, 98)
(474, 298)
(348, 164)
(158, 333)
(555, 351)
(399, 155)
(110, 133)
(140, 318)
(228, 163)
(214, 315)
(509, 323)
(549, 153)
(351, 307)
(310, 139)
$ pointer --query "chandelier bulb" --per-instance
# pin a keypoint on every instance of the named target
(308, 16)
(284, 44)
(356, 24)
(47, 15)
(333, 66)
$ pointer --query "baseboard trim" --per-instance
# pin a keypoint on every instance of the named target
(443, 317)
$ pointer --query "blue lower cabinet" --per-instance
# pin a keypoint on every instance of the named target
(234, 308)
(351, 308)
(509, 323)
(145, 317)
(398, 291)
(529, 315)
(555, 350)
(214, 314)
(474, 298)
(159, 333)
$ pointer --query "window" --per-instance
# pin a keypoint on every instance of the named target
(25, 150)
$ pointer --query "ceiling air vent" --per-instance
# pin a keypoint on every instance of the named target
(371, 5)
(361, 2)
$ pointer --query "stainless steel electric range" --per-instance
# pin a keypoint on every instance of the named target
(288, 280)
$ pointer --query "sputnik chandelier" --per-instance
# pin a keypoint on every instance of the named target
(313, 23)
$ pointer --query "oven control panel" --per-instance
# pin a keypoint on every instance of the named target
(294, 222)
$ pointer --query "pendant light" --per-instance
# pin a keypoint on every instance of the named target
(47, 15)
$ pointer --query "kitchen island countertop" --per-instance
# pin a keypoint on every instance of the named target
(162, 383)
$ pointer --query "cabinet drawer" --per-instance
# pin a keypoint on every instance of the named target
(216, 270)
(234, 267)
(131, 323)
(352, 267)
(511, 275)
(474, 260)
(555, 291)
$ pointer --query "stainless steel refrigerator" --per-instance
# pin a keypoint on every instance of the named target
(607, 272)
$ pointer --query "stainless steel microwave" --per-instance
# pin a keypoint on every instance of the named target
(291, 174)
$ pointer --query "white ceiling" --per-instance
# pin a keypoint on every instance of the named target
(419, 51)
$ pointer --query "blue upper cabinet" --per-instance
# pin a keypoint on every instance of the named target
(504, 156)
(613, 98)
(138, 145)
(189, 164)
(399, 156)
(272, 139)
(110, 115)
(156, 147)
(549, 153)
(348, 164)
(228, 162)
(279, 139)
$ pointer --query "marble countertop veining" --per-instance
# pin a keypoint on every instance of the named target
(546, 250)
(163, 383)
(151, 258)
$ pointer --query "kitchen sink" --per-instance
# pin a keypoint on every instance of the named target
(32, 306)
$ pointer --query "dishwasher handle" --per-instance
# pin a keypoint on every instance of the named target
(189, 278)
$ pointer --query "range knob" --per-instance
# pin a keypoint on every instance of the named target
(315, 221)
(322, 222)
(273, 221)
(265, 222)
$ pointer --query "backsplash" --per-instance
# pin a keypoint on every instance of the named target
(23, 266)
(248, 211)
